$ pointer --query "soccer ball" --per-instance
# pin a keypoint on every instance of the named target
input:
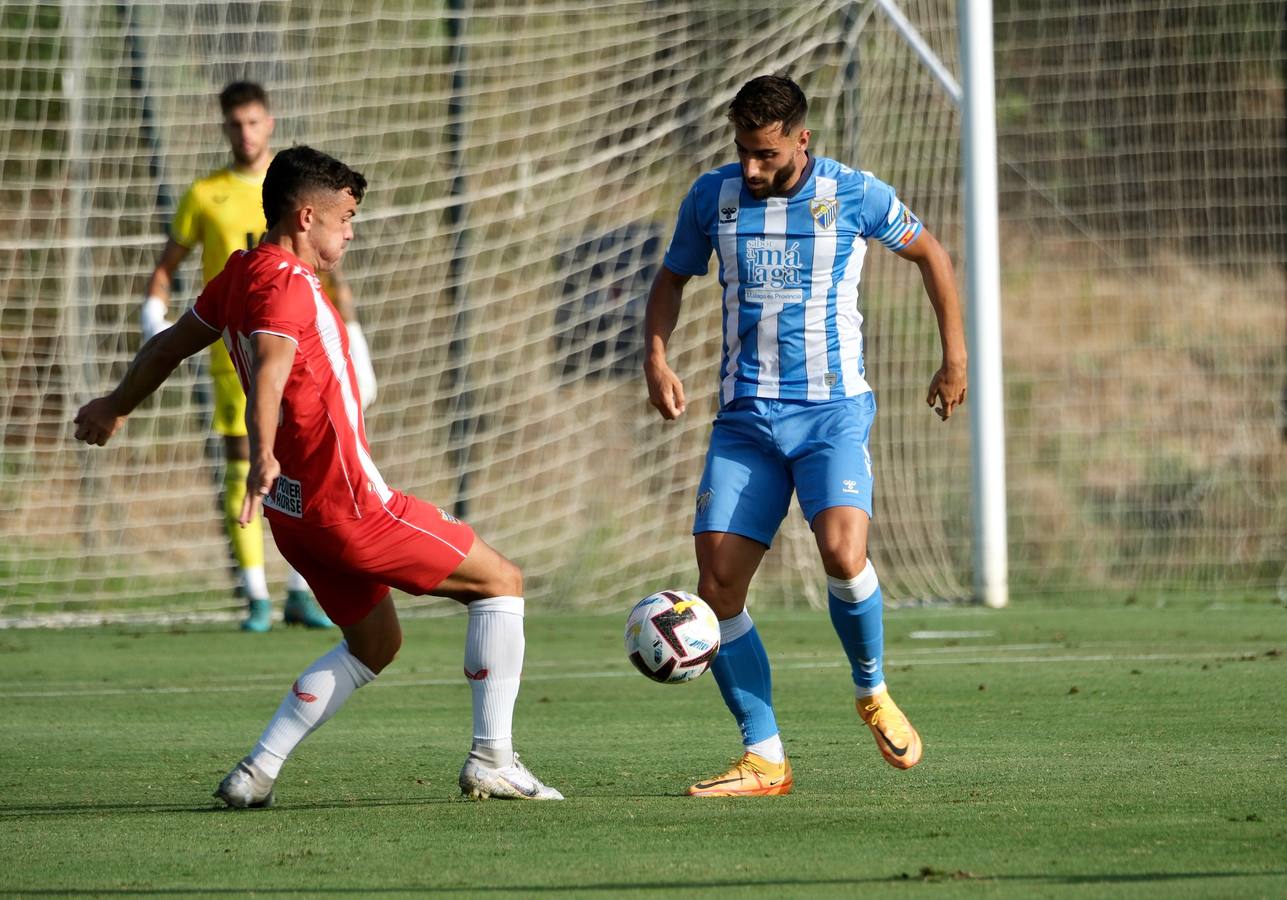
(672, 636)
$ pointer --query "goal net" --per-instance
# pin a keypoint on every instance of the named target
(526, 161)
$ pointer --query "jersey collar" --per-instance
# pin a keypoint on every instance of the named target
(257, 180)
(279, 251)
(805, 176)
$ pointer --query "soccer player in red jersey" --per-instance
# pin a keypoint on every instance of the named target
(332, 515)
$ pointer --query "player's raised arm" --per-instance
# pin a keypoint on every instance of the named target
(665, 390)
(948, 387)
(99, 419)
(271, 359)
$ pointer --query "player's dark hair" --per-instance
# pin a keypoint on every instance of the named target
(767, 100)
(295, 172)
(239, 93)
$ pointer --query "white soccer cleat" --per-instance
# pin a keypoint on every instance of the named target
(246, 787)
(514, 782)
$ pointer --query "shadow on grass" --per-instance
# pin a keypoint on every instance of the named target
(658, 886)
(80, 809)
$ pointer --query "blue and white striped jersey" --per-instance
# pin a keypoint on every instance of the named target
(790, 267)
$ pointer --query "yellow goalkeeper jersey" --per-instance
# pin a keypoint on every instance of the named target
(223, 212)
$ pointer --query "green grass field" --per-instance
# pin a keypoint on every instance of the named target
(1109, 750)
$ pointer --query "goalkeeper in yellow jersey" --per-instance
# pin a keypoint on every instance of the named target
(223, 212)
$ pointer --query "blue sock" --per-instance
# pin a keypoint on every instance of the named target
(742, 671)
(857, 610)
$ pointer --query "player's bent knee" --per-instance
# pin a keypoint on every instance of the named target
(378, 652)
(377, 656)
(844, 560)
(510, 578)
(504, 580)
(722, 580)
(487, 575)
(727, 608)
(727, 600)
(376, 640)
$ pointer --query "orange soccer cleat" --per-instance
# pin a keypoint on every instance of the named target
(752, 776)
(897, 739)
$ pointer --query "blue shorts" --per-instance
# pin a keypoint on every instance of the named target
(762, 450)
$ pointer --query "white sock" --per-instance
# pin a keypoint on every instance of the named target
(732, 629)
(314, 697)
(493, 663)
(769, 748)
(860, 693)
(295, 581)
(254, 584)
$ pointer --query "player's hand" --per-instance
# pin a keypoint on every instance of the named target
(259, 481)
(948, 389)
(665, 390)
(97, 421)
(152, 320)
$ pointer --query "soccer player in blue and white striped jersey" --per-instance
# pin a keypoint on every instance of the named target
(790, 231)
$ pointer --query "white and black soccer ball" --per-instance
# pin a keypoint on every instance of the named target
(672, 636)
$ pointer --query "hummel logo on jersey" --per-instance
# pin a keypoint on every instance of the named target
(728, 214)
(704, 500)
(850, 487)
(303, 695)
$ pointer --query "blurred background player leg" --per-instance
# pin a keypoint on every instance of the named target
(247, 543)
(301, 607)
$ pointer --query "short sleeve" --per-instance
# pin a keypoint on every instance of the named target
(884, 218)
(209, 307)
(690, 247)
(186, 227)
(285, 306)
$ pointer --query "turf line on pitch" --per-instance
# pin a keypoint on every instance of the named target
(246, 685)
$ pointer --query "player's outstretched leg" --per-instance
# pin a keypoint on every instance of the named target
(745, 682)
(315, 696)
(856, 606)
(494, 646)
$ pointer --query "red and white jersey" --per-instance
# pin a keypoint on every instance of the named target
(327, 475)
